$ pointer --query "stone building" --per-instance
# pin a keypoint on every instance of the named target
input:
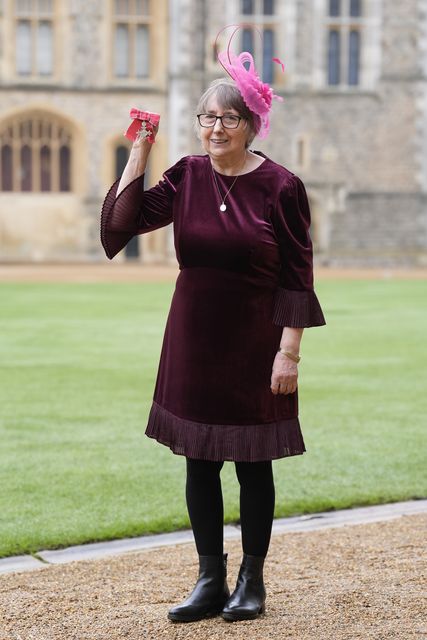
(70, 70)
(353, 124)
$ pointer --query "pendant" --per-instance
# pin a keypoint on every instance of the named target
(223, 207)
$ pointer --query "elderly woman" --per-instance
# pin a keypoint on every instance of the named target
(226, 387)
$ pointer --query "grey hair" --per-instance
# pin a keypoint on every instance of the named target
(228, 97)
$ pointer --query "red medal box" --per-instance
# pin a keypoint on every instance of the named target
(143, 123)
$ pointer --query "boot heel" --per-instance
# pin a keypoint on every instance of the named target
(248, 599)
(209, 594)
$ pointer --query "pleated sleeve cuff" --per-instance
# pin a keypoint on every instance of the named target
(119, 216)
(297, 309)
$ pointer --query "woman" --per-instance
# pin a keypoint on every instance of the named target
(226, 387)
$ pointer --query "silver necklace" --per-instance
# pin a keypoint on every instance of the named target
(223, 206)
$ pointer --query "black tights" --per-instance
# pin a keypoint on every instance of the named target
(205, 507)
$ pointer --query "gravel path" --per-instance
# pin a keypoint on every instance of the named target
(354, 582)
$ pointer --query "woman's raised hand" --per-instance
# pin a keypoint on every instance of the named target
(147, 137)
(138, 157)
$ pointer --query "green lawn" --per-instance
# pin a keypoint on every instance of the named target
(78, 366)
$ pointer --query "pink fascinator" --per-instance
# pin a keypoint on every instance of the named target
(257, 95)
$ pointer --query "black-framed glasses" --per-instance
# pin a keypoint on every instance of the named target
(228, 121)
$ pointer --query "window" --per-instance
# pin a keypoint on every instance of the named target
(35, 155)
(247, 7)
(334, 7)
(131, 38)
(257, 13)
(353, 60)
(268, 53)
(268, 9)
(34, 37)
(344, 42)
(334, 56)
(355, 8)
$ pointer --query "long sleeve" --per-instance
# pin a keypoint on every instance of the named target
(136, 211)
(295, 303)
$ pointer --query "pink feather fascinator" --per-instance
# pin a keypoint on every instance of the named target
(257, 95)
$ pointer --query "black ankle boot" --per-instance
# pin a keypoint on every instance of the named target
(209, 594)
(248, 598)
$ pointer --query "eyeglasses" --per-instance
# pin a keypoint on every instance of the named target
(208, 120)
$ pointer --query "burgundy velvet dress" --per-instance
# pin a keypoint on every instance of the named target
(244, 274)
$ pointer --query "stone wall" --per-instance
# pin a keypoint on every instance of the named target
(380, 229)
(95, 107)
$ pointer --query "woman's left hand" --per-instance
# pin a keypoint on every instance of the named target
(284, 376)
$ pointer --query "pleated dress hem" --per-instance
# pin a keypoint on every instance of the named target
(216, 442)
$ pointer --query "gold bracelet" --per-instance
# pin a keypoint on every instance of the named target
(290, 355)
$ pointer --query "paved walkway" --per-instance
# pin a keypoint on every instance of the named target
(350, 575)
(313, 522)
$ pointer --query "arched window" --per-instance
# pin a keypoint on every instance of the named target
(35, 155)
